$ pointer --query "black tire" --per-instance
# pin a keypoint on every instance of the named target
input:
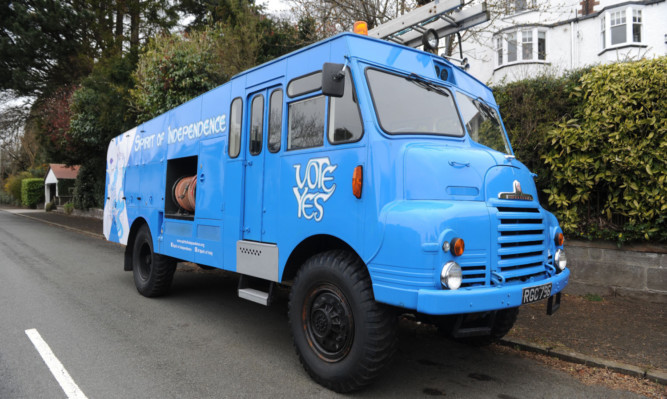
(502, 324)
(342, 336)
(152, 272)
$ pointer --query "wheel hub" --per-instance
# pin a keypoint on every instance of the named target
(330, 325)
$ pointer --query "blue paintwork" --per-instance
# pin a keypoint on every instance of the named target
(418, 191)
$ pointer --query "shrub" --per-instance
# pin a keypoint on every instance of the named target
(50, 206)
(608, 161)
(6, 198)
(32, 192)
(13, 185)
(89, 187)
(530, 109)
(69, 208)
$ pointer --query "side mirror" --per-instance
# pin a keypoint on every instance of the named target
(333, 79)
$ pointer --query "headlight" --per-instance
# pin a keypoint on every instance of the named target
(560, 259)
(451, 276)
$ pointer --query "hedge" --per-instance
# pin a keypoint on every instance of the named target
(597, 138)
(609, 162)
(32, 192)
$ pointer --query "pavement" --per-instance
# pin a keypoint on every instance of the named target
(617, 333)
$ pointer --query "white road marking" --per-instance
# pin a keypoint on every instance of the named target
(62, 376)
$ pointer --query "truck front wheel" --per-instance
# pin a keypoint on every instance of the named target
(152, 272)
(342, 336)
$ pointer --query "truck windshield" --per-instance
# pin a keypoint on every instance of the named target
(413, 105)
(483, 123)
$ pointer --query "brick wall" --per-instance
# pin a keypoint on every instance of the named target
(603, 268)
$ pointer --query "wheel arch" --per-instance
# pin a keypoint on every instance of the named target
(309, 247)
(136, 225)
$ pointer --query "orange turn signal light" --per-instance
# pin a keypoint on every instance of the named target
(458, 246)
(361, 28)
(559, 239)
(357, 181)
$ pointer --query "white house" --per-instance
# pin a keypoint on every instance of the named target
(526, 38)
(59, 183)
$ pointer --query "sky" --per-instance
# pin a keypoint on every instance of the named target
(275, 7)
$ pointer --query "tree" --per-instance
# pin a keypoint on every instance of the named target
(100, 111)
(172, 69)
(334, 16)
(44, 44)
(14, 155)
(175, 68)
(52, 119)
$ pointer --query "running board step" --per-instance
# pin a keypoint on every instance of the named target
(256, 289)
(254, 295)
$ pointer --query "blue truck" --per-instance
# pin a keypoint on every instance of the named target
(369, 178)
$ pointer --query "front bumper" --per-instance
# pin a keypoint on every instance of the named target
(464, 300)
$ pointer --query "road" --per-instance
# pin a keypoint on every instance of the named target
(201, 341)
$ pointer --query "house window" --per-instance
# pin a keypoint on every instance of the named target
(618, 27)
(526, 45)
(521, 46)
(603, 26)
(636, 26)
(499, 49)
(541, 45)
(511, 47)
(517, 6)
(621, 27)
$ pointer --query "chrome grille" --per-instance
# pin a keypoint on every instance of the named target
(521, 251)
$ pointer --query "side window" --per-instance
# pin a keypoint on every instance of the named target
(344, 118)
(275, 119)
(306, 123)
(256, 124)
(305, 84)
(235, 117)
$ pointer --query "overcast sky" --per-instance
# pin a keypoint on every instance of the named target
(275, 7)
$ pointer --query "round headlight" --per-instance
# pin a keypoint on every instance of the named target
(430, 40)
(560, 259)
(451, 276)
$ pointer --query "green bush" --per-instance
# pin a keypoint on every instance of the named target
(32, 192)
(69, 208)
(530, 109)
(608, 162)
(13, 185)
(174, 69)
(6, 198)
(89, 187)
(50, 206)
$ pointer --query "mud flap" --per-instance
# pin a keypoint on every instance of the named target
(553, 304)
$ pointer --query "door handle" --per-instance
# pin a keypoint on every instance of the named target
(458, 164)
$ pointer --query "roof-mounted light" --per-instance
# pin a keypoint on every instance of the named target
(430, 40)
(361, 28)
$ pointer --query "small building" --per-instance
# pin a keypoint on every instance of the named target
(59, 183)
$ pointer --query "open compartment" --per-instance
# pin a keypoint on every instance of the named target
(181, 188)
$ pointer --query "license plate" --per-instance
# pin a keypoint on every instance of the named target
(534, 294)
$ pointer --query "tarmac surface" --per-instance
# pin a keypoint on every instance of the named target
(621, 334)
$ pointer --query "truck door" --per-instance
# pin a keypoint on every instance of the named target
(261, 153)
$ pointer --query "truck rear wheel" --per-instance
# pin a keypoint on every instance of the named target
(342, 336)
(152, 272)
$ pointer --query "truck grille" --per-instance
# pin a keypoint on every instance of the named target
(473, 267)
(521, 251)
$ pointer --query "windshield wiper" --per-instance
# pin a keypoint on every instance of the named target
(425, 84)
